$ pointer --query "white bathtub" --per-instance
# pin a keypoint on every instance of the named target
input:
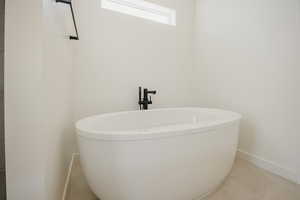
(163, 154)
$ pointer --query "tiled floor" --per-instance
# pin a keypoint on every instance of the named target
(246, 182)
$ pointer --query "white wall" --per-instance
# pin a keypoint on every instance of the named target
(38, 101)
(117, 53)
(247, 58)
(23, 61)
(57, 96)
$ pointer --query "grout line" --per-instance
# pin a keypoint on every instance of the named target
(74, 155)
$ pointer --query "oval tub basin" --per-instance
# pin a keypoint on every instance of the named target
(160, 154)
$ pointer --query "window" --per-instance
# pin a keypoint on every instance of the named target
(143, 9)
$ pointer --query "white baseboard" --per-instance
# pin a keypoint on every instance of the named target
(269, 166)
(67, 182)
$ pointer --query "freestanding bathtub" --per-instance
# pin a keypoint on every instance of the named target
(161, 154)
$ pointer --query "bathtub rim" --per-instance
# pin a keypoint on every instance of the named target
(133, 135)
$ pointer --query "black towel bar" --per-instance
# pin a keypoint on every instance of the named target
(72, 11)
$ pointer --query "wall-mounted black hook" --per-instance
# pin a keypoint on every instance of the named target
(69, 2)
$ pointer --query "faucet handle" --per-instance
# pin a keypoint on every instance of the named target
(151, 91)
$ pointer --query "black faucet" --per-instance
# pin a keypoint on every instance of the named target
(146, 99)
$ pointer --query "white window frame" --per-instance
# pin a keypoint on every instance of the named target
(142, 9)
